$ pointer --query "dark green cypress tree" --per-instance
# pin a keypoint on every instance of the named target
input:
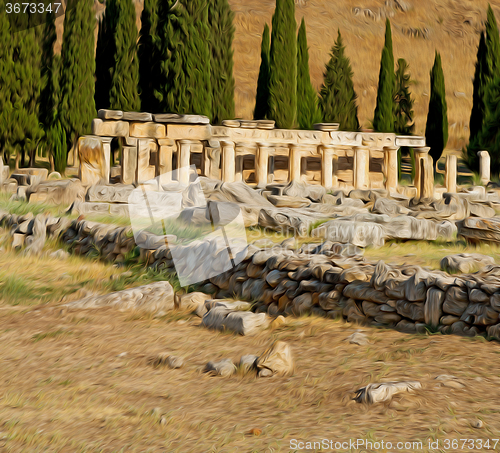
(184, 72)
(6, 75)
(487, 68)
(48, 96)
(105, 51)
(383, 120)
(261, 111)
(283, 66)
(148, 56)
(436, 129)
(77, 106)
(308, 112)
(403, 121)
(338, 98)
(124, 94)
(220, 17)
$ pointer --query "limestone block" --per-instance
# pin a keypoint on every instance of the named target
(484, 166)
(277, 359)
(129, 164)
(121, 210)
(180, 119)
(410, 141)
(137, 116)
(110, 193)
(93, 167)
(60, 192)
(188, 132)
(148, 130)
(38, 174)
(466, 262)
(4, 172)
(110, 128)
(87, 207)
(105, 114)
(433, 309)
(377, 393)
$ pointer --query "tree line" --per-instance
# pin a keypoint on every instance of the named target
(181, 61)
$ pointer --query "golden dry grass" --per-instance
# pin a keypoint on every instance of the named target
(75, 381)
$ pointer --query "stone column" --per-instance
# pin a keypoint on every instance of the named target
(228, 161)
(294, 155)
(262, 164)
(106, 145)
(145, 149)
(391, 168)
(327, 166)
(424, 173)
(361, 167)
(484, 167)
(451, 173)
(183, 161)
(164, 169)
(129, 164)
(238, 161)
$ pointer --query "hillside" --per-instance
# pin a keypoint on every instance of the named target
(419, 28)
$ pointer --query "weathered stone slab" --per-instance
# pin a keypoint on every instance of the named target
(109, 193)
(93, 164)
(121, 210)
(105, 114)
(137, 116)
(180, 119)
(148, 130)
(475, 229)
(188, 132)
(129, 164)
(378, 393)
(60, 192)
(433, 309)
(87, 207)
(36, 174)
(466, 262)
(277, 359)
(110, 128)
(153, 298)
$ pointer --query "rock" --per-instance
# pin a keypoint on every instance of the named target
(285, 201)
(224, 368)
(450, 381)
(362, 234)
(302, 304)
(358, 338)
(277, 360)
(242, 323)
(110, 193)
(152, 298)
(278, 322)
(59, 192)
(411, 310)
(433, 306)
(465, 262)
(477, 229)
(378, 393)
(137, 116)
(456, 301)
(479, 314)
(247, 363)
(168, 360)
(59, 254)
(18, 240)
(192, 302)
(298, 189)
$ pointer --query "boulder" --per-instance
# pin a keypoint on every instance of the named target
(156, 297)
(466, 262)
(224, 368)
(60, 192)
(277, 360)
(248, 363)
(239, 322)
(433, 308)
(191, 301)
(378, 393)
(478, 229)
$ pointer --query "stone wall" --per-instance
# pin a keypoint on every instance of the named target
(328, 279)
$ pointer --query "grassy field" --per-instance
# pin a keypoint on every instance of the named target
(82, 381)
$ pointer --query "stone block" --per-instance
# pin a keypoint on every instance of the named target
(148, 130)
(137, 116)
(188, 132)
(119, 210)
(87, 207)
(110, 128)
(129, 164)
(112, 193)
(61, 192)
(93, 164)
(181, 119)
(40, 174)
(147, 151)
(105, 114)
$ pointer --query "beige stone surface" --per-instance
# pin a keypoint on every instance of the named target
(109, 128)
(148, 130)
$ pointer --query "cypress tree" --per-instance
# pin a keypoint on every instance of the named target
(436, 130)
(403, 121)
(383, 120)
(123, 94)
(283, 66)
(220, 17)
(77, 107)
(487, 68)
(104, 55)
(308, 112)
(48, 96)
(6, 75)
(184, 72)
(338, 98)
(148, 56)
(261, 110)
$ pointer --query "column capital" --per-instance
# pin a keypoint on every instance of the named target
(186, 141)
(227, 143)
(265, 145)
(481, 153)
(422, 149)
(391, 148)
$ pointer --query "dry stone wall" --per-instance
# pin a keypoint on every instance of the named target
(327, 279)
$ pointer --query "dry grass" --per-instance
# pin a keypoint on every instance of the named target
(451, 27)
(82, 381)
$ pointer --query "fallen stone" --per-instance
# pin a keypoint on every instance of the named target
(59, 254)
(466, 262)
(276, 360)
(191, 302)
(60, 192)
(239, 322)
(247, 363)
(358, 338)
(378, 393)
(362, 234)
(224, 368)
(152, 298)
(165, 359)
